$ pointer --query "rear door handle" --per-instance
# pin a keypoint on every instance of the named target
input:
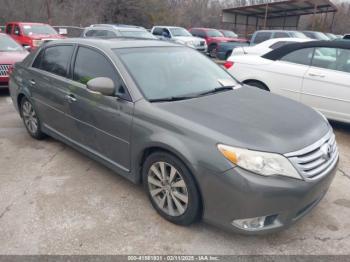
(70, 98)
(316, 75)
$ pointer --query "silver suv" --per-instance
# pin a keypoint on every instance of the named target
(181, 36)
(108, 31)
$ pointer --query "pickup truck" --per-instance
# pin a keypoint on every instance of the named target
(31, 35)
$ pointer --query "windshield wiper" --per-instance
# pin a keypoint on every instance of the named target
(170, 99)
(217, 90)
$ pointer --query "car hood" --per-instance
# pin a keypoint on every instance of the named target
(188, 38)
(251, 118)
(12, 57)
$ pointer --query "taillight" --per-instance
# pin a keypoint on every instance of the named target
(228, 64)
(10, 70)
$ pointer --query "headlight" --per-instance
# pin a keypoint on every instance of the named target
(266, 164)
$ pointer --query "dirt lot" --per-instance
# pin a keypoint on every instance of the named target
(54, 200)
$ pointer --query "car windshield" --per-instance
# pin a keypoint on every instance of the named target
(178, 31)
(137, 34)
(38, 30)
(229, 34)
(7, 44)
(168, 72)
(214, 33)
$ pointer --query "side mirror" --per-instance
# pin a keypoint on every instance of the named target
(101, 85)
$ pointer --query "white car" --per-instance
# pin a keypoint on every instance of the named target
(316, 73)
(180, 35)
(266, 46)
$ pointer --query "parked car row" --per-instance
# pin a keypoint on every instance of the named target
(224, 50)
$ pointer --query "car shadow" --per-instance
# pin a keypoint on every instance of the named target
(340, 126)
(4, 92)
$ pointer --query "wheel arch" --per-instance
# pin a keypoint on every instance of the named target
(19, 102)
(159, 147)
(257, 81)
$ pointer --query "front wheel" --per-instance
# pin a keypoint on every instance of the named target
(30, 119)
(171, 189)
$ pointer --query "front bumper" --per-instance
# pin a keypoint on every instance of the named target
(240, 194)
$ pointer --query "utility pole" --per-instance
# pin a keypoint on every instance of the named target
(48, 10)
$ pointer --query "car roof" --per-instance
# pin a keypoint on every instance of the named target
(114, 43)
(204, 28)
(276, 30)
(117, 26)
(168, 26)
(27, 23)
(282, 51)
(124, 28)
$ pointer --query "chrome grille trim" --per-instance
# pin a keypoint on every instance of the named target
(310, 161)
(4, 69)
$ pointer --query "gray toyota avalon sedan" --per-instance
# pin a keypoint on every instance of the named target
(161, 114)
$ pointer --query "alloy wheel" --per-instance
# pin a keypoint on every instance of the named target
(29, 117)
(168, 189)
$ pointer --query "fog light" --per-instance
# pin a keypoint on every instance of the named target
(256, 223)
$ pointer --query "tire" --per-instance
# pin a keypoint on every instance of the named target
(176, 198)
(257, 84)
(30, 119)
(212, 51)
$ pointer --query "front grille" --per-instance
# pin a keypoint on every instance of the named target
(4, 70)
(316, 160)
(202, 43)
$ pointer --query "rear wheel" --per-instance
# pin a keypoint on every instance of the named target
(30, 119)
(171, 188)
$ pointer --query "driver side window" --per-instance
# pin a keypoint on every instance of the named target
(85, 70)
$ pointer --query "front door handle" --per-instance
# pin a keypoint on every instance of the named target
(32, 82)
(316, 75)
(70, 98)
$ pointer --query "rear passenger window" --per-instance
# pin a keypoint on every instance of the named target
(90, 64)
(261, 37)
(38, 59)
(301, 56)
(55, 60)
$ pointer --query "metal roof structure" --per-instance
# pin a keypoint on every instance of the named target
(277, 15)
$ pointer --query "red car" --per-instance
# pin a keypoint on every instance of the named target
(213, 37)
(10, 53)
(31, 35)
